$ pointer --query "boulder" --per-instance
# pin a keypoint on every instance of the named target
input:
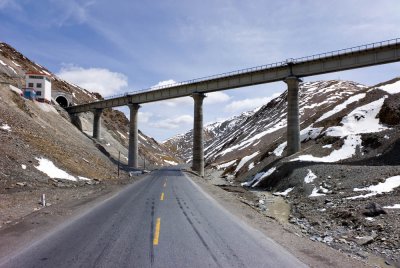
(373, 210)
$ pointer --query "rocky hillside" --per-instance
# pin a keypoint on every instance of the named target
(254, 135)
(14, 65)
(344, 184)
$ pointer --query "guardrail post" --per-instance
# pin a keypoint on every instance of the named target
(133, 136)
(293, 119)
(198, 136)
(97, 123)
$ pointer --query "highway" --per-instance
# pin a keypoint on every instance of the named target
(162, 220)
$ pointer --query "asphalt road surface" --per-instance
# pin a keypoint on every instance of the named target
(163, 220)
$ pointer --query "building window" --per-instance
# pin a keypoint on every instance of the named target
(35, 77)
(39, 85)
(38, 93)
(30, 85)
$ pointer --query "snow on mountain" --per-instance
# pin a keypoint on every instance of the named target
(240, 137)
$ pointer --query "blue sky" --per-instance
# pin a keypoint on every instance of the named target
(119, 46)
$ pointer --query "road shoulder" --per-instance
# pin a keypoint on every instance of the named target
(24, 231)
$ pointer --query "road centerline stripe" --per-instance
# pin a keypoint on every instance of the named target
(162, 197)
(157, 232)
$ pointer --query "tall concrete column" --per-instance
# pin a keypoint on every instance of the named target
(133, 153)
(198, 137)
(293, 120)
(97, 123)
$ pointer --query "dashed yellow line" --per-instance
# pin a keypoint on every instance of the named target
(162, 197)
(157, 232)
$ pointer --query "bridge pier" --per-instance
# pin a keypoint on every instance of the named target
(133, 152)
(293, 119)
(198, 136)
(97, 123)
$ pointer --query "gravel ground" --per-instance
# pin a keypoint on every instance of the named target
(272, 219)
(330, 219)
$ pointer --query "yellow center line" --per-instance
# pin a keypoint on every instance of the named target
(157, 232)
(162, 197)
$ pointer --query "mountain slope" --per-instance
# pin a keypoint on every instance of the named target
(257, 133)
(115, 126)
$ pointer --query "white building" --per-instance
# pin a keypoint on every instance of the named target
(41, 83)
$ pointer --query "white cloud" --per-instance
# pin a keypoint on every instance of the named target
(216, 97)
(248, 104)
(144, 117)
(172, 123)
(100, 80)
(72, 11)
(178, 101)
(164, 83)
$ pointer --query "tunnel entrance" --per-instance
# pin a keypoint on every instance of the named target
(62, 101)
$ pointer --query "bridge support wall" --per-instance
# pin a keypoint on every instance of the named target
(133, 153)
(97, 123)
(293, 119)
(198, 136)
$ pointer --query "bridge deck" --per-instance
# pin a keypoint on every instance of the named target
(352, 58)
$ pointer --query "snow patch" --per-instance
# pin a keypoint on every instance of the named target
(23, 166)
(360, 120)
(310, 177)
(266, 174)
(391, 88)
(310, 133)
(5, 127)
(16, 64)
(258, 177)
(16, 90)
(225, 165)
(244, 160)
(2, 63)
(315, 191)
(46, 166)
(122, 135)
(284, 193)
(251, 165)
(12, 69)
(348, 150)
(395, 206)
(342, 106)
(83, 178)
(382, 187)
(279, 150)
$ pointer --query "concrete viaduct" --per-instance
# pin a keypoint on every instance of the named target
(289, 71)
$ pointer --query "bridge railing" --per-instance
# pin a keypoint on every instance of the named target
(348, 50)
(269, 66)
